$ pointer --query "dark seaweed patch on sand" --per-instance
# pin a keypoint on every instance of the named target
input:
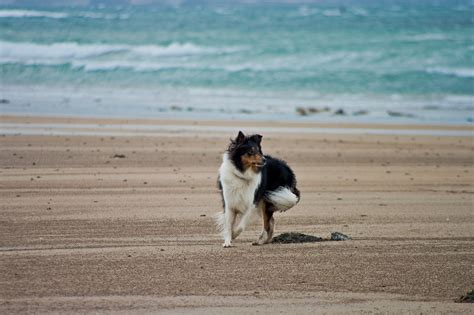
(294, 237)
(468, 298)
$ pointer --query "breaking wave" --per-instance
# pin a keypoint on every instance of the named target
(458, 72)
(31, 14)
(59, 53)
(60, 15)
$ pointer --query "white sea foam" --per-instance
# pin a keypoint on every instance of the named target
(424, 37)
(146, 58)
(458, 72)
(306, 11)
(359, 11)
(106, 16)
(58, 53)
(178, 49)
(32, 13)
(101, 65)
(137, 66)
(30, 51)
(335, 12)
(60, 15)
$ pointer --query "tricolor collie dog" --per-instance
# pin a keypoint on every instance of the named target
(251, 182)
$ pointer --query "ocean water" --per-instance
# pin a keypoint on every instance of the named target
(400, 61)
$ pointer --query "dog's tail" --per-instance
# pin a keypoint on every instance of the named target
(219, 218)
(283, 198)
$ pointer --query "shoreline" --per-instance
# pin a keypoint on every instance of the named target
(57, 125)
(215, 104)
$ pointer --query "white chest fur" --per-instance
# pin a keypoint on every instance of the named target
(238, 188)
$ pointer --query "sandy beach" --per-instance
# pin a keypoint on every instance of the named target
(100, 216)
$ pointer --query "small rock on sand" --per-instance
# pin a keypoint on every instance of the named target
(340, 112)
(399, 114)
(337, 236)
(302, 111)
(360, 113)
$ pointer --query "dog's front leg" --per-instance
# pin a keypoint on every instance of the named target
(229, 220)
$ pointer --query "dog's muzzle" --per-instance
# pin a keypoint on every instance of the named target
(262, 163)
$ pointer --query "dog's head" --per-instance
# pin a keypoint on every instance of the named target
(246, 152)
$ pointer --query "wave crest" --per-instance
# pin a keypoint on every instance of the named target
(457, 72)
(61, 15)
(425, 37)
(32, 13)
(24, 52)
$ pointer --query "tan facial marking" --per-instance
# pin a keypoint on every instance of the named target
(252, 161)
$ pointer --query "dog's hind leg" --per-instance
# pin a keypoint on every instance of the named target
(243, 222)
(271, 228)
(268, 226)
(236, 230)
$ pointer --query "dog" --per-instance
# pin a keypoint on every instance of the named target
(251, 182)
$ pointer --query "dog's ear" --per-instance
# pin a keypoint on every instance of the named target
(257, 138)
(240, 137)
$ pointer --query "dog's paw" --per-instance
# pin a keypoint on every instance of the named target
(227, 245)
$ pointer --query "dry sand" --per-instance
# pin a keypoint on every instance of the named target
(82, 231)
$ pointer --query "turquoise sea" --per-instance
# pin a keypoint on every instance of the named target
(400, 61)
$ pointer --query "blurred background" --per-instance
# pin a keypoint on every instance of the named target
(367, 61)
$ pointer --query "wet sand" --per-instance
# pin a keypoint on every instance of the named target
(120, 222)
